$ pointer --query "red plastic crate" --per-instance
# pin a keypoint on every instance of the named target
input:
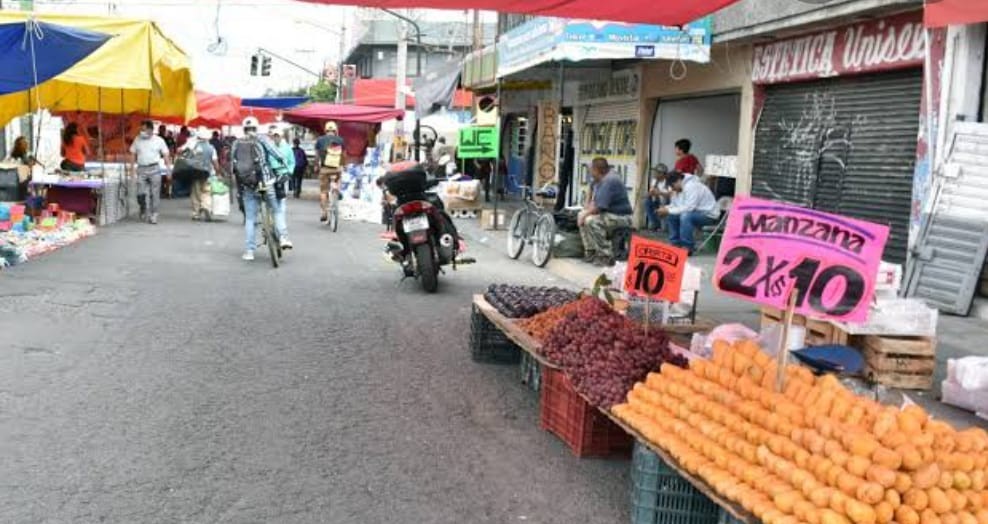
(587, 431)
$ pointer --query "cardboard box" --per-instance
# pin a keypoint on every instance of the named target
(488, 217)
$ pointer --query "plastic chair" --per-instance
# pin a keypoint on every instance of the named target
(711, 232)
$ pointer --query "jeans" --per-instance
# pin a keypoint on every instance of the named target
(252, 204)
(652, 206)
(681, 227)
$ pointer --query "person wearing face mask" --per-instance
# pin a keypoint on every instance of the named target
(284, 169)
(150, 157)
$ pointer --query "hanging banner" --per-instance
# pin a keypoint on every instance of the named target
(655, 270)
(548, 143)
(875, 45)
(771, 249)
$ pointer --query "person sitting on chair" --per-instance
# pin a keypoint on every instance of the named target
(692, 206)
(607, 209)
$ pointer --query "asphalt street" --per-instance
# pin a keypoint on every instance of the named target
(147, 374)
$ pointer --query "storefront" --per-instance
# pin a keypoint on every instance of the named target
(838, 121)
(606, 124)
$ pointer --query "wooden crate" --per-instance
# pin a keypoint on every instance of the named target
(818, 332)
(900, 362)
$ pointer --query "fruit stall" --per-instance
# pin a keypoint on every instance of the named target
(741, 433)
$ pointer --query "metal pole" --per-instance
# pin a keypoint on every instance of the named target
(418, 69)
(497, 159)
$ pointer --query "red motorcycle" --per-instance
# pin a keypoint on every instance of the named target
(426, 236)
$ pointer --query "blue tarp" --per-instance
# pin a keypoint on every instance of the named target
(283, 102)
(51, 49)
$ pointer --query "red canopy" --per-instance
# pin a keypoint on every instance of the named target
(939, 13)
(214, 111)
(662, 12)
(263, 115)
(381, 92)
(316, 114)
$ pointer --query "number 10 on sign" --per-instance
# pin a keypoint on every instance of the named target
(655, 270)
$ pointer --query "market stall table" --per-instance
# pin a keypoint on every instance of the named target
(101, 198)
(512, 330)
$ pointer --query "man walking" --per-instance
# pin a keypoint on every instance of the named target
(693, 206)
(150, 157)
(254, 163)
(301, 165)
(201, 194)
(329, 149)
(608, 209)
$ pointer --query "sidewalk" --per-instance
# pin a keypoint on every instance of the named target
(956, 336)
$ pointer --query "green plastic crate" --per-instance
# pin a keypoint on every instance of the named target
(659, 495)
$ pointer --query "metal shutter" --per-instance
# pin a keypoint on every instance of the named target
(951, 248)
(846, 146)
(613, 112)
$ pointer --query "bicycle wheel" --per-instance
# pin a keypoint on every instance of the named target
(270, 235)
(545, 234)
(517, 233)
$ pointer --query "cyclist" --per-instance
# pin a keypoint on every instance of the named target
(329, 149)
(254, 164)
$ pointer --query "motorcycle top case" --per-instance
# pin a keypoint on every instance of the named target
(406, 182)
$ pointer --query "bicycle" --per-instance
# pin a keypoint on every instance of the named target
(533, 225)
(268, 230)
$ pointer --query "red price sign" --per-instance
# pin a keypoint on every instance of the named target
(771, 249)
(655, 270)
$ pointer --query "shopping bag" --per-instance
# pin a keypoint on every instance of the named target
(221, 206)
(218, 187)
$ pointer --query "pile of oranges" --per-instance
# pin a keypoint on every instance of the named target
(815, 453)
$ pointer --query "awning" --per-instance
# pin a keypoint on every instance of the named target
(33, 52)
(138, 70)
(380, 92)
(213, 111)
(668, 12)
(316, 114)
(939, 13)
(263, 115)
(436, 89)
(280, 102)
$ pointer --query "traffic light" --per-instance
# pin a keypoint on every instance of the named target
(265, 66)
(254, 59)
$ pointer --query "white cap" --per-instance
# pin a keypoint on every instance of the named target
(203, 133)
(251, 122)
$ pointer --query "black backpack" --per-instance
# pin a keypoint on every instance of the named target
(248, 162)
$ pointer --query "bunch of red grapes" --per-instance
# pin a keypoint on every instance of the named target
(605, 354)
(525, 301)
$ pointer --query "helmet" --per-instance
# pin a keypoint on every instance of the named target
(251, 122)
(331, 127)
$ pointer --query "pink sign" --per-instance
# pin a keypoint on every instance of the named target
(771, 249)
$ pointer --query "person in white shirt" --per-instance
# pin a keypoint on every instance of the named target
(150, 158)
(658, 195)
(201, 194)
(692, 206)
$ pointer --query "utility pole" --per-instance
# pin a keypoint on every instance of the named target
(418, 65)
(339, 68)
(478, 31)
(401, 67)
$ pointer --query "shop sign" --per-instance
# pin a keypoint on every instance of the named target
(771, 250)
(543, 40)
(478, 142)
(617, 142)
(619, 88)
(876, 45)
(655, 270)
(548, 142)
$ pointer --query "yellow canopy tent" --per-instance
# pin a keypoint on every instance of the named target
(139, 70)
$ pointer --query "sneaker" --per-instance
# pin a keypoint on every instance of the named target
(196, 217)
(286, 244)
(248, 256)
(154, 219)
(323, 219)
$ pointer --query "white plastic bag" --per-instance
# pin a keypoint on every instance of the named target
(221, 206)
(970, 373)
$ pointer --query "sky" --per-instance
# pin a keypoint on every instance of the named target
(305, 33)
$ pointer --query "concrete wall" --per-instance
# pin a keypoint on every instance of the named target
(749, 18)
(729, 71)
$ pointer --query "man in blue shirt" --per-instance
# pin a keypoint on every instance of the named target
(607, 209)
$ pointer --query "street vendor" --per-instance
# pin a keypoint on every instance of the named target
(75, 148)
(607, 209)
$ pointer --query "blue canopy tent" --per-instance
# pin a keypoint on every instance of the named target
(275, 102)
(33, 52)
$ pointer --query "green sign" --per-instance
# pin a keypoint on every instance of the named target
(478, 142)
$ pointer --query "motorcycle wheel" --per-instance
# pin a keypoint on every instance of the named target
(545, 233)
(425, 264)
(516, 234)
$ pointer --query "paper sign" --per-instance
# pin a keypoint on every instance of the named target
(770, 248)
(655, 270)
